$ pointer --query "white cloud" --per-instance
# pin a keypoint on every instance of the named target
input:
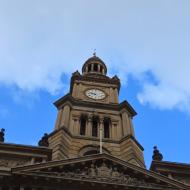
(42, 40)
(163, 96)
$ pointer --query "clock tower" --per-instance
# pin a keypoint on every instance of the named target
(90, 115)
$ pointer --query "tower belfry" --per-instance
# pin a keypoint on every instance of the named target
(92, 105)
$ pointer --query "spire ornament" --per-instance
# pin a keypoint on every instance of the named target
(94, 54)
(44, 141)
(2, 134)
(157, 156)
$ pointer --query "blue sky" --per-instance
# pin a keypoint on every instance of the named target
(146, 43)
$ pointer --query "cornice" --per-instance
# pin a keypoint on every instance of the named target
(169, 166)
(94, 78)
(25, 148)
(97, 139)
(115, 107)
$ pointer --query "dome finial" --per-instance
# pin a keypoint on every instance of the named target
(94, 54)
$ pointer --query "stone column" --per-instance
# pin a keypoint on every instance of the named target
(74, 93)
(58, 120)
(98, 68)
(114, 131)
(98, 130)
(44, 160)
(32, 160)
(110, 129)
(89, 127)
(86, 69)
(21, 187)
(131, 126)
(71, 125)
(170, 176)
(103, 71)
(86, 128)
(78, 126)
(101, 126)
(92, 69)
(125, 124)
(111, 95)
(74, 126)
(65, 116)
(101, 136)
(115, 95)
(119, 129)
(127, 128)
(79, 91)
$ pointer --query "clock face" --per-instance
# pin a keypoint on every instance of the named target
(95, 94)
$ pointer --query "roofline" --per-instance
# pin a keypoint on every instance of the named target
(26, 148)
(31, 147)
(169, 164)
(98, 156)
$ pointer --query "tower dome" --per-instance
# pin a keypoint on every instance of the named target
(94, 65)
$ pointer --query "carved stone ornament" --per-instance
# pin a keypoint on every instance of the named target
(100, 172)
(12, 163)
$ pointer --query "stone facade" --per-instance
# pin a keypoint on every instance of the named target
(121, 140)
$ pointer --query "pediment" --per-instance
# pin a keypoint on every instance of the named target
(101, 168)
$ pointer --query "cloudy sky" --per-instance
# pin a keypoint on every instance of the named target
(146, 43)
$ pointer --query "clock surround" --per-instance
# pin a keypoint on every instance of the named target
(95, 94)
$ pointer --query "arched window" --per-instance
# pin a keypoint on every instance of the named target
(82, 125)
(101, 69)
(106, 128)
(94, 126)
(96, 67)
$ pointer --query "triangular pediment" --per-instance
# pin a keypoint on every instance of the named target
(101, 168)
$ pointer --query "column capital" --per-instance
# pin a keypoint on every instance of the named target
(76, 117)
(101, 121)
(89, 119)
(124, 111)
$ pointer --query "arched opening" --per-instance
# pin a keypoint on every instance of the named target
(96, 67)
(95, 126)
(106, 128)
(101, 69)
(82, 125)
(90, 152)
(89, 67)
(92, 149)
